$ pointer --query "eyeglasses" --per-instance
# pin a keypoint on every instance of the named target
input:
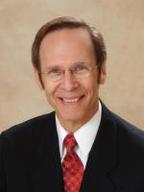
(79, 71)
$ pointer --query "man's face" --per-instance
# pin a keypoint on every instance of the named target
(73, 93)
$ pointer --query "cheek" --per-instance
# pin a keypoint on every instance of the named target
(93, 90)
(50, 96)
(50, 90)
(91, 84)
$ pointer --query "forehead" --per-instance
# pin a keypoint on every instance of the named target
(65, 47)
(67, 35)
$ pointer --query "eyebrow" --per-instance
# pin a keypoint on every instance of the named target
(53, 67)
(78, 63)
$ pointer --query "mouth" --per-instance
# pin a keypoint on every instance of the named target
(71, 100)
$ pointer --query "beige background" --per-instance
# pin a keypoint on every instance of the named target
(122, 24)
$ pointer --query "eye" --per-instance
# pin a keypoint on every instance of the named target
(80, 69)
(54, 72)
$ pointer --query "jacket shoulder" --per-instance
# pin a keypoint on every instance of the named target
(29, 125)
(128, 135)
(125, 128)
(24, 132)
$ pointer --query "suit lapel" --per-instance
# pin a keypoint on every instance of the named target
(46, 166)
(102, 157)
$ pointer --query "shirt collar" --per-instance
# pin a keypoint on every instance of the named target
(85, 135)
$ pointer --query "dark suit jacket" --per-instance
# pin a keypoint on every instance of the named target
(30, 159)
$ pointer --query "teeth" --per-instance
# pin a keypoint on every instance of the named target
(70, 100)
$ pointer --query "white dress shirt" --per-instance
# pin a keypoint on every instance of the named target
(84, 136)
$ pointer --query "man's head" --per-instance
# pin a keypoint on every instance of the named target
(69, 66)
(69, 23)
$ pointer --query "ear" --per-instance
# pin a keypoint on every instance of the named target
(38, 79)
(102, 74)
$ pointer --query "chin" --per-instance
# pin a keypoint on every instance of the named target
(73, 117)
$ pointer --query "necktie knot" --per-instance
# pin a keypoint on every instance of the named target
(70, 142)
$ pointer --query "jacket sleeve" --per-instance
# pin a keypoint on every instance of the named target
(2, 172)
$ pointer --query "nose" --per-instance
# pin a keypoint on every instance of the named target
(69, 82)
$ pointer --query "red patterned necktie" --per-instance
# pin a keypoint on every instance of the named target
(72, 166)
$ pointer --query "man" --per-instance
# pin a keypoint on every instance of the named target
(82, 146)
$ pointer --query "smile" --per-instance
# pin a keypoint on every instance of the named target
(71, 100)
